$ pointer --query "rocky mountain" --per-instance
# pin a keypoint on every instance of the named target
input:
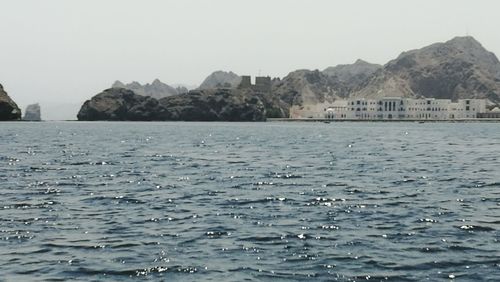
(352, 75)
(156, 89)
(8, 108)
(197, 105)
(221, 79)
(457, 69)
(308, 87)
(33, 113)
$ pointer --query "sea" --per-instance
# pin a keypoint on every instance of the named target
(274, 201)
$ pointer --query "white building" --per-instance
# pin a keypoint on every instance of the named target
(397, 108)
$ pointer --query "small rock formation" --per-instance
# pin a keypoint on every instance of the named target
(119, 104)
(156, 89)
(221, 79)
(32, 113)
(8, 108)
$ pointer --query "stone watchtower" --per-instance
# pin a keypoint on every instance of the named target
(246, 82)
(262, 83)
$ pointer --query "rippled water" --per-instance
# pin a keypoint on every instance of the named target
(249, 201)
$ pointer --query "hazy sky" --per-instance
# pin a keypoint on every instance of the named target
(66, 51)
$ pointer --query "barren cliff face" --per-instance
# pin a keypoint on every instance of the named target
(459, 68)
(354, 74)
(8, 108)
(308, 87)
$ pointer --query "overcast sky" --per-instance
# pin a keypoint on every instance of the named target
(66, 51)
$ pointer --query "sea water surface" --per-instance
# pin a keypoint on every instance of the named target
(249, 201)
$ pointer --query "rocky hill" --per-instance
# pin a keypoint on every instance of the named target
(308, 87)
(221, 79)
(156, 89)
(220, 104)
(457, 69)
(8, 108)
(121, 104)
(352, 75)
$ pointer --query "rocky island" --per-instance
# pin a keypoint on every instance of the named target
(8, 108)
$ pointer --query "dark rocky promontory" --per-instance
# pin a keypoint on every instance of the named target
(118, 104)
(33, 113)
(8, 108)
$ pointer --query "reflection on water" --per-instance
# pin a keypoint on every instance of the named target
(249, 201)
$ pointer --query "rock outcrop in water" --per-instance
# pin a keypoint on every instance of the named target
(156, 89)
(119, 104)
(8, 108)
(457, 69)
(33, 113)
(221, 79)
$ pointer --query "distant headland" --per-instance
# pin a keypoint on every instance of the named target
(449, 73)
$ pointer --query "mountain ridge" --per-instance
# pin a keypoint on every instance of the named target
(156, 89)
(456, 69)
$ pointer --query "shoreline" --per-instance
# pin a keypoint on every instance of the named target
(475, 120)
